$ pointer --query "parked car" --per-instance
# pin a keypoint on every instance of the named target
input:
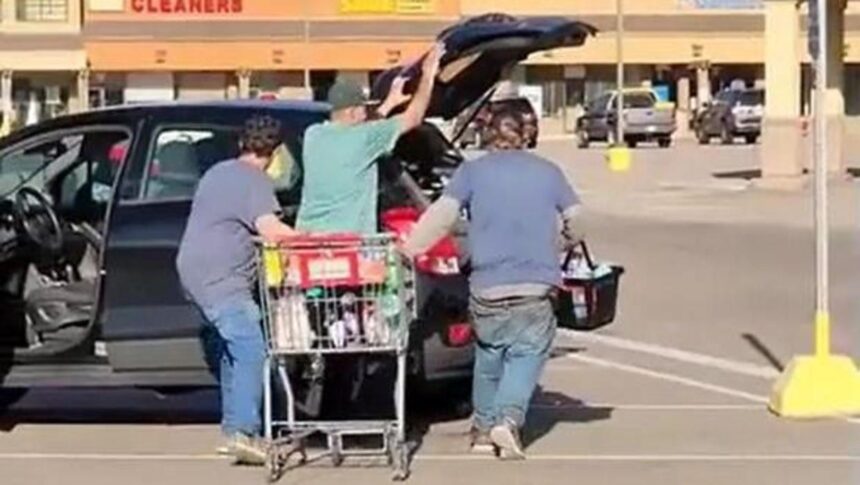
(93, 206)
(645, 120)
(732, 114)
(471, 129)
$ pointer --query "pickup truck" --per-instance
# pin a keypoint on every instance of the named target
(645, 119)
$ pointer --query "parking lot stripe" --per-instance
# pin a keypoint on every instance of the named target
(653, 407)
(652, 458)
(686, 381)
(112, 456)
(727, 365)
(455, 457)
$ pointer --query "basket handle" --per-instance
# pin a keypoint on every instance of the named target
(585, 253)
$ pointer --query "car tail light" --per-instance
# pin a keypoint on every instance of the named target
(459, 334)
(441, 259)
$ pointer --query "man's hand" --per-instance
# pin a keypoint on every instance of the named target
(414, 114)
(272, 230)
(396, 97)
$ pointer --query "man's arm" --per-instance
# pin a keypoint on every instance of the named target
(272, 230)
(414, 114)
(437, 222)
(571, 227)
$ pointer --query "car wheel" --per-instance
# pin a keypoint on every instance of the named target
(664, 142)
(726, 136)
(582, 140)
(703, 137)
(632, 143)
(751, 139)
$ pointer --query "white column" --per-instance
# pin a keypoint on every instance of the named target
(83, 86)
(6, 102)
(244, 76)
(783, 146)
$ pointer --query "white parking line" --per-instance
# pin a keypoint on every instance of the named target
(112, 456)
(704, 360)
(653, 458)
(652, 407)
(463, 457)
(670, 378)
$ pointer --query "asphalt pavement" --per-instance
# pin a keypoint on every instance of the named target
(717, 298)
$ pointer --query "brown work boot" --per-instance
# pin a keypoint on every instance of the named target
(506, 435)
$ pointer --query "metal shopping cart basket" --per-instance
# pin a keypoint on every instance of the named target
(328, 295)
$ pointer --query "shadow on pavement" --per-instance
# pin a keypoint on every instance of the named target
(550, 408)
(739, 174)
(107, 406)
(765, 352)
(562, 351)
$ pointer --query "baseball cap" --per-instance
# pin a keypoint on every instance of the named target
(345, 94)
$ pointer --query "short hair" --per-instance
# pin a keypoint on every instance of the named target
(261, 136)
(506, 129)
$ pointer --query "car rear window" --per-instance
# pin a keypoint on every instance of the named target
(752, 98)
(638, 100)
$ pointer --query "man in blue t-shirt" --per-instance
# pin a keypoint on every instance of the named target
(515, 200)
(234, 202)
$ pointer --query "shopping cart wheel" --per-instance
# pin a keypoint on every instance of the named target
(400, 462)
(336, 449)
(275, 464)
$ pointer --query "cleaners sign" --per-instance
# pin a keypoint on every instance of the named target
(186, 6)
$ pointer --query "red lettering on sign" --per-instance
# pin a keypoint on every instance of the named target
(186, 6)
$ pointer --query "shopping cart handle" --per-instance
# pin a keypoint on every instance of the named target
(319, 240)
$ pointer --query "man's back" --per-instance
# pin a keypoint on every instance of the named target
(340, 176)
(217, 254)
(514, 200)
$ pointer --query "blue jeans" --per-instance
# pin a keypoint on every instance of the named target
(513, 344)
(236, 349)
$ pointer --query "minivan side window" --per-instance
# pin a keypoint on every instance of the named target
(81, 160)
(179, 157)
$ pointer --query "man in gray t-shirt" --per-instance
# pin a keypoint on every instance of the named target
(234, 202)
(515, 200)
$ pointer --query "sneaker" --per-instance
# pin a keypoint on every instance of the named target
(223, 446)
(248, 450)
(480, 442)
(507, 437)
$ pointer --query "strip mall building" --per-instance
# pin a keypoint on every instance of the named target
(66, 55)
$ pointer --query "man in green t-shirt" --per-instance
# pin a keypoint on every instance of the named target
(340, 174)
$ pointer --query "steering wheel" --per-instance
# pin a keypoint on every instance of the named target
(38, 220)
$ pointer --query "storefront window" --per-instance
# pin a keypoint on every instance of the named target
(42, 10)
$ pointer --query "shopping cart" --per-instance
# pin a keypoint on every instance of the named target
(333, 295)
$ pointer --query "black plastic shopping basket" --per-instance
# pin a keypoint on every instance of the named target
(587, 301)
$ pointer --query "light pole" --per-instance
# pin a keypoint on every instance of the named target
(821, 384)
(618, 155)
(619, 74)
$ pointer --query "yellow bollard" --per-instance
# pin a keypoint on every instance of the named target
(820, 385)
(619, 159)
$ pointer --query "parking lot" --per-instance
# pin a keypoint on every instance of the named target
(717, 298)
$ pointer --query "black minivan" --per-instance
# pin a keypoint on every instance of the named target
(93, 205)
